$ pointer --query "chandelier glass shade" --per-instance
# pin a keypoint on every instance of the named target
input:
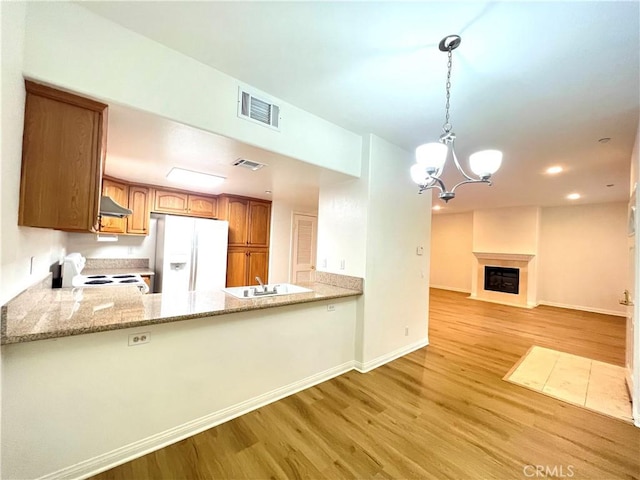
(431, 158)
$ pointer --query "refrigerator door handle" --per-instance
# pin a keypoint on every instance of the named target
(194, 263)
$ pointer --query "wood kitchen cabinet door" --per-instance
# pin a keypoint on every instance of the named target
(237, 212)
(259, 224)
(201, 206)
(258, 266)
(237, 260)
(138, 221)
(244, 265)
(119, 193)
(63, 148)
(170, 202)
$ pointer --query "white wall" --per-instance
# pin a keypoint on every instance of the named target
(375, 224)
(396, 288)
(506, 230)
(583, 256)
(73, 48)
(281, 238)
(451, 257)
(127, 246)
(73, 399)
(342, 227)
(17, 244)
(581, 251)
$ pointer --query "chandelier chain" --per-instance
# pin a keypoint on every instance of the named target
(446, 128)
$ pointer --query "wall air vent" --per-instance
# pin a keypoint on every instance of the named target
(258, 110)
(250, 164)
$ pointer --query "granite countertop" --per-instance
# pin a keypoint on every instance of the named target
(41, 312)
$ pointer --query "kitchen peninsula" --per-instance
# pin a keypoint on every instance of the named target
(41, 312)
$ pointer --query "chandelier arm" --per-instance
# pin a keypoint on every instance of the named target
(470, 181)
(439, 183)
(459, 167)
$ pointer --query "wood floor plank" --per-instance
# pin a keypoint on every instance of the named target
(440, 412)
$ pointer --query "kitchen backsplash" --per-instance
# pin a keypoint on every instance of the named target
(127, 246)
(98, 263)
(337, 280)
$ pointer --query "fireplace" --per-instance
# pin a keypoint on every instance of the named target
(506, 278)
(501, 279)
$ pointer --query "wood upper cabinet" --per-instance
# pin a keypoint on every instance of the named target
(259, 224)
(170, 202)
(182, 203)
(138, 221)
(63, 149)
(236, 215)
(133, 197)
(201, 206)
(119, 193)
(249, 220)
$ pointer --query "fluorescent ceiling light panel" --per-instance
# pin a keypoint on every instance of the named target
(189, 177)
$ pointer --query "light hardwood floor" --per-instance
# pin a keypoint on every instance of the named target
(440, 412)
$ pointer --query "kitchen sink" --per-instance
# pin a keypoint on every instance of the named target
(255, 291)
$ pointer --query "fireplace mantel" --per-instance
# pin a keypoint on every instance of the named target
(520, 257)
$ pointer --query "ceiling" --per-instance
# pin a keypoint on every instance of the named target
(541, 81)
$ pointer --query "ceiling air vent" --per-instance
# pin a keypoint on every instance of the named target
(250, 164)
(258, 110)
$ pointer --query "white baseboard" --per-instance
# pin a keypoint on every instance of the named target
(452, 289)
(584, 309)
(364, 367)
(106, 461)
(137, 449)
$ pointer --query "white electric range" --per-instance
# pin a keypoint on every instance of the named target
(72, 276)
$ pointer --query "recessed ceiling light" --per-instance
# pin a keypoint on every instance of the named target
(436, 207)
(189, 177)
(268, 192)
(573, 196)
(605, 140)
(554, 170)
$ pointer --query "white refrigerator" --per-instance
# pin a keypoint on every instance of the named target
(191, 254)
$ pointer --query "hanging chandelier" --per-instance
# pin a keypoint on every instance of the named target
(431, 157)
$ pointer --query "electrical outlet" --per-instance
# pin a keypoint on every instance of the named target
(31, 265)
(406, 331)
(139, 338)
(342, 263)
(324, 263)
(331, 308)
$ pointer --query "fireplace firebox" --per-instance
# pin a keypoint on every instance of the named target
(501, 279)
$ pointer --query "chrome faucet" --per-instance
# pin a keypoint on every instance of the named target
(259, 280)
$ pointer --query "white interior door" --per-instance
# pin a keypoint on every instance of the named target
(303, 254)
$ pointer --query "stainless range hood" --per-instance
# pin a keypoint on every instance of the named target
(109, 208)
